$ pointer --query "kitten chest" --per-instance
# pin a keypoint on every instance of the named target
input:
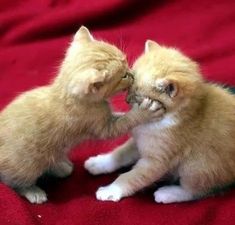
(154, 137)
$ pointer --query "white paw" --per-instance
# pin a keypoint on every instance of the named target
(62, 169)
(100, 164)
(170, 194)
(163, 197)
(34, 194)
(109, 193)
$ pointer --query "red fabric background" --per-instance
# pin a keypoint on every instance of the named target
(33, 38)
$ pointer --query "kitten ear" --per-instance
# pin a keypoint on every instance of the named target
(151, 45)
(168, 86)
(89, 82)
(95, 81)
(83, 34)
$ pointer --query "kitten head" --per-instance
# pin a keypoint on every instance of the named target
(166, 75)
(93, 69)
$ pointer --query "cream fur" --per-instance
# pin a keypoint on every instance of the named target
(195, 139)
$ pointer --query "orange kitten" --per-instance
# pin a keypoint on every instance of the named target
(40, 126)
(194, 141)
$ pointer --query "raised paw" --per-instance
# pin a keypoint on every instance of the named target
(153, 109)
(146, 103)
(151, 105)
(111, 192)
(100, 164)
(155, 106)
(34, 194)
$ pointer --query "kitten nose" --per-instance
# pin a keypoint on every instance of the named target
(130, 76)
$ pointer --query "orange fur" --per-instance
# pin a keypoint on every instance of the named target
(40, 126)
(194, 141)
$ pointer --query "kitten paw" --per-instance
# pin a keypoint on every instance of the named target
(34, 194)
(100, 164)
(146, 103)
(170, 194)
(154, 110)
(155, 106)
(151, 105)
(62, 169)
(109, 193)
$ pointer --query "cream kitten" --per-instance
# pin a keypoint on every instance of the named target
(40, 126)
(194, 141)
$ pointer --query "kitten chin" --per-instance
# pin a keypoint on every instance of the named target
(194, 140)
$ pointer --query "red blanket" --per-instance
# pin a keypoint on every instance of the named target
(34, 36)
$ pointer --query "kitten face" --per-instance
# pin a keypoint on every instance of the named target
(94, 68)
(164, 74)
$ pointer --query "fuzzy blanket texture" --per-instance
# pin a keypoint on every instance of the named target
(33, 39)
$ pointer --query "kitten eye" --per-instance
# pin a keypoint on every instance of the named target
(170, 89)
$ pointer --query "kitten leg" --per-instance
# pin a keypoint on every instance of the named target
(119, 125)
(23, 180)
(122, 156)
(144, 173)
(173, 193)
(33, 193)
(62, 169)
